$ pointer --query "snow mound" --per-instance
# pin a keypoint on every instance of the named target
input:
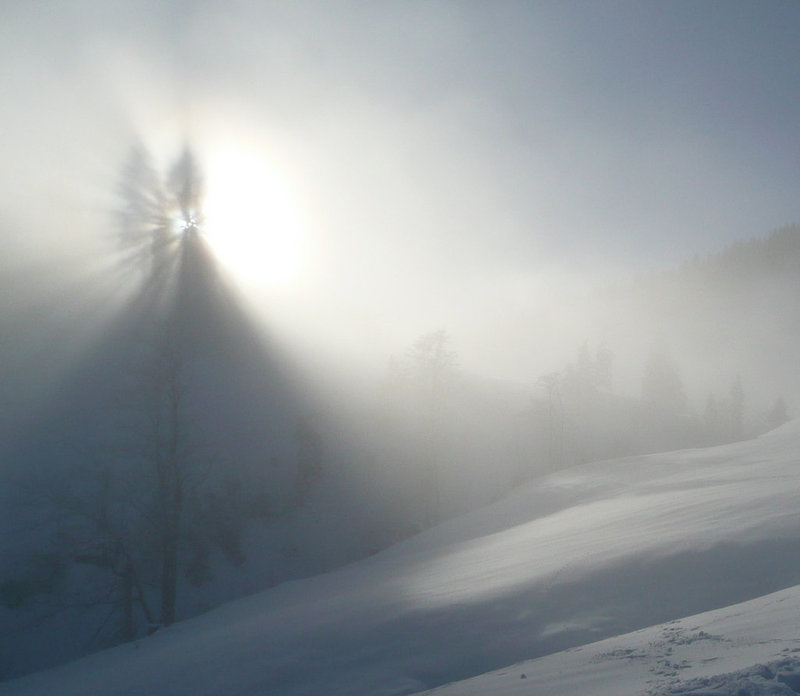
(773, 679)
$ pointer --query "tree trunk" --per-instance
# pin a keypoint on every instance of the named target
(169, 561)
(169, 578)
(128, 626)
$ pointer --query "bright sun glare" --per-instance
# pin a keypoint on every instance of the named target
(251, 221)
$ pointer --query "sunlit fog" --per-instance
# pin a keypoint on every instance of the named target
(330, 274)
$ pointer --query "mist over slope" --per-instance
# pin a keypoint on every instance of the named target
(593, 551)
(285, 284)
(721, 315)
(390, 456)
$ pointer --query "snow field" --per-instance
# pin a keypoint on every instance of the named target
(580, 556)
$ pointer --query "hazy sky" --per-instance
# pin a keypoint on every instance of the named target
(446, 162)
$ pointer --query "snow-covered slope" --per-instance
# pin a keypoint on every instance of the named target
(750, 649)
(595, 551)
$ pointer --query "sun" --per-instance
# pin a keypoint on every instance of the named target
(251, 219)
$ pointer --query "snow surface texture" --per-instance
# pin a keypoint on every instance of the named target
(749, 649)
(552, 572)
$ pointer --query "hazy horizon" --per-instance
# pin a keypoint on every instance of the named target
(439, 165)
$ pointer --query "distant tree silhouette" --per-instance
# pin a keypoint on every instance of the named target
(309, 458)
(778, 414)
(185, 499)
(573, 400)
(96, 528)
(712, 421)
(664, 418)
(736, 408)
(419, 387)
(143, 216)
(555, 417)
(159, 214)
(154, 498)
(662, 386)
(160, 431)
(432, 364)
(169, 226)
(185, 192)
(136, 510)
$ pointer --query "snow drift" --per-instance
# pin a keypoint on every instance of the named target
(585, 554)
